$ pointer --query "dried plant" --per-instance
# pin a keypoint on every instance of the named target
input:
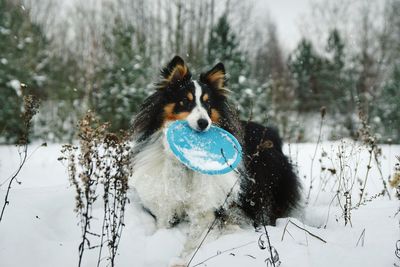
(100, 165)
(395, 181)
(322, 113)
(30, 108)
(116, 166)
(285, 230)
(346, 170)
(375, 152)
(273, 258)
(226, 251)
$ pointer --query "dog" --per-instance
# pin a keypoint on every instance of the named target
(262, 189)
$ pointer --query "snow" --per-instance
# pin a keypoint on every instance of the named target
(16, 85)
(40, 227)
(201, 159)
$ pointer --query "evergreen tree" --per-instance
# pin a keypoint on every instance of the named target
(123, 80)
(223, 46)
(339, 82)
(386, 110)
(22, 60)
(333, 76)
(61, 107)
(306, 68)
(322, 81)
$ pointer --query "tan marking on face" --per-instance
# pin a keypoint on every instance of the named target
(181, 115)
(190, 96)
(215, 115)
(169, 111)
(169, 114)
(205, 97)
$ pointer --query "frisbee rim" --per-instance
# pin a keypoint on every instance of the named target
(228, 167)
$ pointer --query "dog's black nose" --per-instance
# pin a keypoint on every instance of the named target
(202, 123)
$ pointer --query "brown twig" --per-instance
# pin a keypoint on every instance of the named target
(223, 252)
(362, 236)
(13, 178)
(31, 105)
(323, 112)
(308, 232)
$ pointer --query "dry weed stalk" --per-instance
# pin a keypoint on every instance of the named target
(323, 113)
(30, 108)
(101, 166)
(346, 167)
(375, 152)
(285, 230)
(395, 181)
(344, 170)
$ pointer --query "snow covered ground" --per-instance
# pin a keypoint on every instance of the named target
(40, 227)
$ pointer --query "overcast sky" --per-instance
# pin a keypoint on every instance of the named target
(287, 15)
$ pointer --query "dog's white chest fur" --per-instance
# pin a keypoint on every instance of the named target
(167, 188)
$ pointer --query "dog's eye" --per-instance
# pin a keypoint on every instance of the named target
(184, 102)
(207, 104)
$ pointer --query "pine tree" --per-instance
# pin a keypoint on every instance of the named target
(322, 81)
(22, 60)
(61, 105)
(223, 46)
(339, 81)
(386, 110)
(306, 68)
(123, 80)
(332, 76)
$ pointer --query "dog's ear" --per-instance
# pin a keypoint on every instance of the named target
(216, 79)
(175, 71)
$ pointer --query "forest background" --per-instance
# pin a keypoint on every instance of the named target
(105, 55)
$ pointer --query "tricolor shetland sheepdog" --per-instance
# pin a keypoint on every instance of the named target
(264, 186)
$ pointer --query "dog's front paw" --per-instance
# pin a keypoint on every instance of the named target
(177, 262)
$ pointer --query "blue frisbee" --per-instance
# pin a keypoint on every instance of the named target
(212, 152)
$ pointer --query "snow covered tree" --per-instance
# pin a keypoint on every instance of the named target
(22, 60)
(322, 80)
(223, 46)
(385, 113)
(305, 66)
(339, 81)
(123, 80)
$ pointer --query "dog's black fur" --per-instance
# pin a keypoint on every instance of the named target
(269, 187)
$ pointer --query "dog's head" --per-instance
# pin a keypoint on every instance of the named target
(201, 102)
(197, 101)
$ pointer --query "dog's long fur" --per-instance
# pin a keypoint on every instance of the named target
(266, 186)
